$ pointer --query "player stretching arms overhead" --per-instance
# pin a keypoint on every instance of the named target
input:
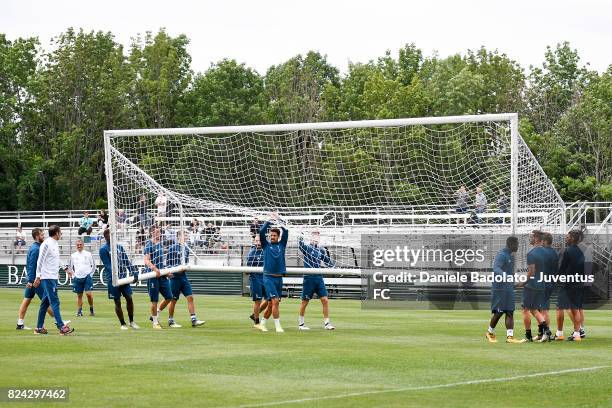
(255, 258)
(115, 293)
(179, 282)
(502, 293)
(47, 273)
(32, 259)
(274, 268)
(154, 261)
(313, 255)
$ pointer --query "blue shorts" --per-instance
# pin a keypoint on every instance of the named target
(80, 285)
(548, 291)
(570, 297)
(180, 284)
(115, 292)
(256, 286)
(29, 293)
(157, 286)
(502, 301)
(532, 298)
(273, 285)
(312, 285)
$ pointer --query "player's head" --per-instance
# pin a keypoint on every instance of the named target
(85, 213)
(19, 228)
(315, 237)
(107, 235)
(547, 239)
(535, 238)
(38, 234)
(512, 243)
(55, 232)
(478, 190)
(79, 244)
(462, 188)
(573, 237)
(257, 242)
(274, 235)
(154, 231)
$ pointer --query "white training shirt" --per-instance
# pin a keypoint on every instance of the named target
(82, 264)
(48, 263)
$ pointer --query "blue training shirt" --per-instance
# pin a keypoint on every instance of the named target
(255, 258)
(173, 257)
(156, 254)
(572, 264)
(503, 266)
(124, 262)
(274, 254)
(313, 255)
(32, 260)
(538, 257)
(551, 267)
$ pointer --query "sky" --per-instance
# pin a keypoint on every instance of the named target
(264, 33)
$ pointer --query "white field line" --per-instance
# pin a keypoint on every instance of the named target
(425, 387)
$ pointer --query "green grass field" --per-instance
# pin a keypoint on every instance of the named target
(382, 358)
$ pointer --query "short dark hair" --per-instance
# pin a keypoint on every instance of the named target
(512, 242)
(153, 227)
(547, 238)
(107, 234)
(54, 230)
(538, 234)
(36, 232)
(575, 235)
(275, 230)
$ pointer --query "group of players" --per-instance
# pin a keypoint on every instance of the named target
(542, 261)
(43, 264)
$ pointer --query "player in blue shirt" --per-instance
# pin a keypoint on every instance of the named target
(32, 258)
(551, 266)
(115, 292)
(533, 291)
(154, 261)
(502, 292)
(571, 293)
(179, 282)
(255, 258)
(273, 269)
(313, 256)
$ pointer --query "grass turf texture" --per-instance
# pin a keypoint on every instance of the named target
(226, 363)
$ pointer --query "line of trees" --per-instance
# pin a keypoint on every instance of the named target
(55, 105)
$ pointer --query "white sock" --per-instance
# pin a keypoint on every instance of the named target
(301, 320)
(559, 333)
(510, 332)
(20, 321)
(277, 323)
(491, 330)
(326, 320)
(155, 321)
(170, 318)
(158, 311)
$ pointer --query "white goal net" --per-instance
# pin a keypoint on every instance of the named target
(342, 179)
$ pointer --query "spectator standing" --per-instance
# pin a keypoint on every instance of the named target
(462, 198)
(161, 202)
(481, 201)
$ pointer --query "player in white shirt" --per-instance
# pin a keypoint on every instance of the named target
(47, 273)
(82, 266)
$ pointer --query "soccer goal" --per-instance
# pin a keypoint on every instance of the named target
(340, 179)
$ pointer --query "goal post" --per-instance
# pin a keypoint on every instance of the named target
(336, 179)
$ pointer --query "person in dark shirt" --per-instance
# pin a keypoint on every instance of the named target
(571, 292)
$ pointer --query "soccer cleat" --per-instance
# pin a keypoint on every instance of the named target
(174, 324)
(558, 338)
(41, 331)
(64, 331)
(79, 313)
(511, 339)
(150, 318)
(134, 326)
(279, 330)
(544, 338)
(124, 327)
(92, 313)
(303, 327)
(329, 326)
(23, 327)
(491, 337)
(582, 334)
(157, 326)
(538, 338)
(197, 323)
(574, 338)
(261, 327)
